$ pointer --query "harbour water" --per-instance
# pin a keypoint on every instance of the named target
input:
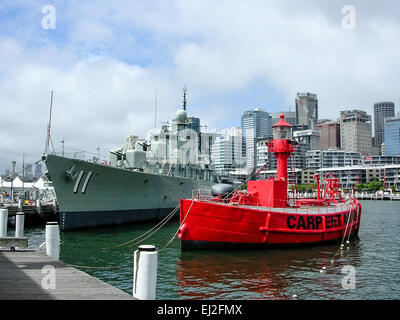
(366, 269)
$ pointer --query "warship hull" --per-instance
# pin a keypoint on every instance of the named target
(91, 194)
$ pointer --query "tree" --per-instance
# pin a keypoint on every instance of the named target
(361, 186)
(374, 186)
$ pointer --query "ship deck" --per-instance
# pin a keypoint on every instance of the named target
(329, 209)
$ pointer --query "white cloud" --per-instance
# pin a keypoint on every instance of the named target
(95, 103)
(104, 62)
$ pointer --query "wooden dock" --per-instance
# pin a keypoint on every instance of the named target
(32, 216)
(46, 208)
(28, 275)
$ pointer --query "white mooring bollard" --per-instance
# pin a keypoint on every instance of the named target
(145, 272)
(19, 224)
(38, 206)
(20, 205)
(3, 222)
(55, 207)
(53, 240)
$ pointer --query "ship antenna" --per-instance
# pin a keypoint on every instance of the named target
(155, 111)
(184, 98)
(48, 139)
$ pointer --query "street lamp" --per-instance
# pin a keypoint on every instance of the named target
(12, 180)
(62, 141)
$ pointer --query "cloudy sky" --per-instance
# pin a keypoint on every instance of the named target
(105, 61)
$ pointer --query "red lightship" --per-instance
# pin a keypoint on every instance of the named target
(263, 215)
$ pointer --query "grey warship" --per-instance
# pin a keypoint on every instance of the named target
(143, 180)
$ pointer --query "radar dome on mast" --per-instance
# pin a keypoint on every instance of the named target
(181, 114)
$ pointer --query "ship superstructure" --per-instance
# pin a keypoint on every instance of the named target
(143, 179)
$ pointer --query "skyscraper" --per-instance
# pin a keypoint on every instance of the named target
(382, 110)
(392, 136)
(256, 123)
(356, 131)
(306, 109)
(330, 135)
(228, 151)
(290, 117)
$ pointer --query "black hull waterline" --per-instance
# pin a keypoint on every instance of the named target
(81, 220)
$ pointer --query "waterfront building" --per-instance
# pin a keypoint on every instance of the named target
(380, 160)
(310, 137)
(228, 151)
(307, 177)
(382, 110)
(263, 156)
(306, 109)
(313, 160)
(329, 134)
(316, 159)
(351, 176)
(298, 158)
(356, 131)
(256, 123)
(392, 136)
(348, 176)
(294, 176)
(391, 175)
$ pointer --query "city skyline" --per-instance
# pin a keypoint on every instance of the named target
(19, 163)
(110, 64)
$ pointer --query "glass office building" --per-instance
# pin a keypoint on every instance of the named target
(256, 123)
(382, 110)
(392, 136)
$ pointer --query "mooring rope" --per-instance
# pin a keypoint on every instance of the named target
(344, 237)
(157, 227)
(180, 225)
(90, 267)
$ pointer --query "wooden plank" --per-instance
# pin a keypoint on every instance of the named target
(23, 277)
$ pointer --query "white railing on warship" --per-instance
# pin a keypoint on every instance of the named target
(195, 173)
(73, 153)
